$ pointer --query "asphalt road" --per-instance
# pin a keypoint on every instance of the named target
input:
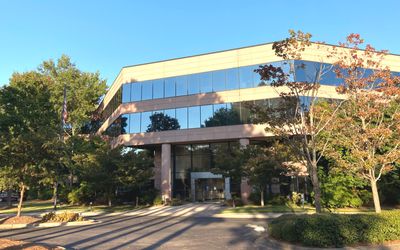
(150, 232)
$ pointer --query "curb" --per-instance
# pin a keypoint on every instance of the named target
(49, 224)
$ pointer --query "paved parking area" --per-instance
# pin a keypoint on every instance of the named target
(183, 227)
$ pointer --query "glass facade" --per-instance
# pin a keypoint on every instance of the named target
(194, 158)
(192, 117)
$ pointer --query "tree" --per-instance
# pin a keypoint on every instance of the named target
(162, 122)
(223, 117)
(263, 164)
(84, 91)
(27, 123)
(367, 127)
(298, 120)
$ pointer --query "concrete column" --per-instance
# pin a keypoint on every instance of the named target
(245, 188)
(166, 189)
(157, 168)
(227, 192)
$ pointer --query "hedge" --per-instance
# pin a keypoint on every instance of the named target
(337, 230)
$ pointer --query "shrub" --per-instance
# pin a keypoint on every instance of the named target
(158, 201)
(175, 202)
(238, 202)
(62, 217)
(278, 200)
(338, 230)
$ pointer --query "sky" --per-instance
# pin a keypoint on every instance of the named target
(105, 35)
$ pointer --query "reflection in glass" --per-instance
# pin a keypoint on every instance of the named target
(181, 85)
(158, 88)
(205, 80)
(170, 87)
(136, 92)
(194, 117)
(145, 121)
(124, 124)
(170, 112)
(147, 90)
(126, 93)
(206, 113)
(246, 77)
(134, 123)
(193, 84)
(232, 79)
(181, 115)
(218, 80)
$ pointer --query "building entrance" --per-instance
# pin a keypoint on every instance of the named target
(206, 186)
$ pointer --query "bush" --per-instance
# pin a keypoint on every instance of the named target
(278, 200)
(238, 202)
(62, 217)
(158, 201)
(175, 202)
(337, 230)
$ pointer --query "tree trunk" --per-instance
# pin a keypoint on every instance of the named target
(316, 189)
(9, 193)
(21, 198)
(262, 197)
(55, 195)
(375, 195)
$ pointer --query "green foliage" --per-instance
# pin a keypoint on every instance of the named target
(223, 117)
(278, 200)
(341, 189)
(158, 201)
(337, 230)
(61, 217)
(295, 198)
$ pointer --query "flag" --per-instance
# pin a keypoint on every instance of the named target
(64, 113)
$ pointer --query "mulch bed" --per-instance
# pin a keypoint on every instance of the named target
(15, 244)
(20, 220)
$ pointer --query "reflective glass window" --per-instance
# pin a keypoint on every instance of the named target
(126, 93)
(182, 166)
(205, 80)
(136, 92)
(170, 112)
(181, 115)
(145, 121)
(194, 117)
(232, 79)
(206, 114)
(246, 77)
(257, 78)
(134, 123)
(306, 71)
(170, 87)
(217, 107)
(181, 85)
(147, 90)
(125, 124)
(158, 88)
(193, 84)
(219, 80)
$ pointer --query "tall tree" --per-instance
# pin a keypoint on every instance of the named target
(298, 120)
(27, 123)
(162, 122)
(84, 91)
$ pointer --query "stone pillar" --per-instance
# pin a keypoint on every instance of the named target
(227, 191)
(157, 168)
(245, 188)
(166, 189)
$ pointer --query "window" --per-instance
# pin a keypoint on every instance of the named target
(134, 123)
(181, 115)
(193, 84)
(218, 80)
(136, 92)
(158, 89)
(125, 124)
(206, 114)
(232, 78)
(145, 121)
(126, 93)
(246, 77)
(205, 80)
(181, 85)
(194, 117)
(170, 87)
(147, 90)
(170, 112)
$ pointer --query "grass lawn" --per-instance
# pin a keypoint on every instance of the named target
(44, 206)
(268, 208)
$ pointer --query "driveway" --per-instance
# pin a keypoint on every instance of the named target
(183, 227)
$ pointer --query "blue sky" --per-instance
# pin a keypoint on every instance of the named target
(104, 36)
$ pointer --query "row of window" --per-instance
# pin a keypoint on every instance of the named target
(186, 117)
